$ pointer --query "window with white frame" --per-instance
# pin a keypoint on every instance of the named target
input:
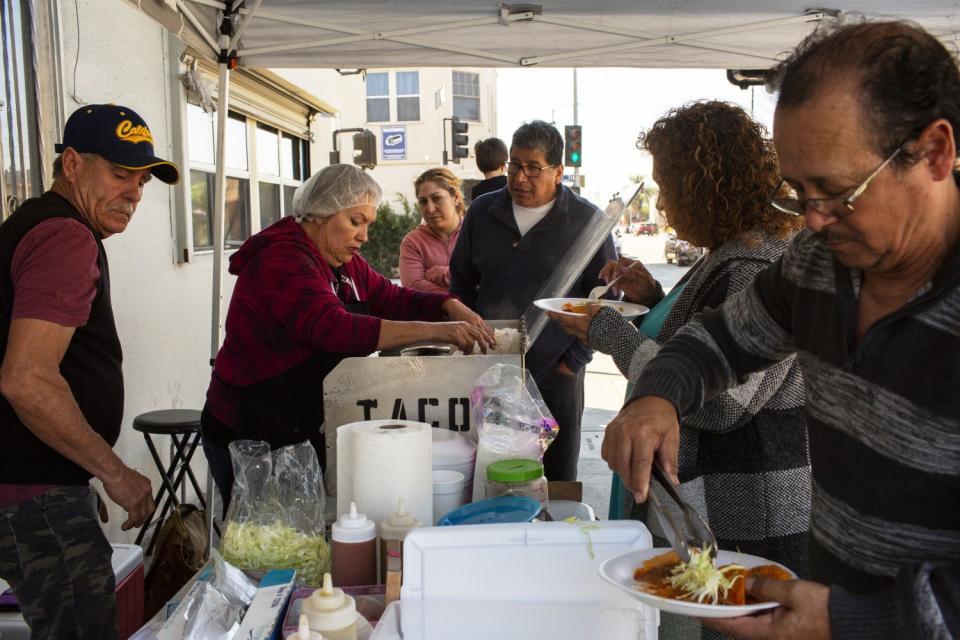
(20, 156)
(466, 95)
(378, 97)
(408, 96)
(273, 161)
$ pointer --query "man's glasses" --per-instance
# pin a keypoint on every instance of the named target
(826, 206)
(531, 171)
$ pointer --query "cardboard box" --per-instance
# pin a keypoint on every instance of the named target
(262, 620)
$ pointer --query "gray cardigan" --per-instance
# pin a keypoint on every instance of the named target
(744, 460)
(743, 457)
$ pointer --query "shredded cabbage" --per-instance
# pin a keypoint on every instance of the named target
(276, 546)
(585, 529)
(701, 579)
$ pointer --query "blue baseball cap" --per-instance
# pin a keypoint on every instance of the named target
(117, 134)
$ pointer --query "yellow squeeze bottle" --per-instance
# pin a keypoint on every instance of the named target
(331, 612)
(303, 631)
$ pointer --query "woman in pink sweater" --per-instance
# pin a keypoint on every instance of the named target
(425, 251)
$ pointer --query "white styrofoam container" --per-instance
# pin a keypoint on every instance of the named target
(456, 573)
(421, 620)
(563, 509)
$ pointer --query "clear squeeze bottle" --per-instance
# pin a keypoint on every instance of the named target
(353, 548)
(393, 529)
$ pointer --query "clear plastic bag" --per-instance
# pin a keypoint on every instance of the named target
(275, 519)
(511, 419)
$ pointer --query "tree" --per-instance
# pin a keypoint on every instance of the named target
(382, 250)
(647, 196)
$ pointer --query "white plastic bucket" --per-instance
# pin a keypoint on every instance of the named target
(454, 452)
(447, 492)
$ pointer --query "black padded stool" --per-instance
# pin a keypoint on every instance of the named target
(183, 427)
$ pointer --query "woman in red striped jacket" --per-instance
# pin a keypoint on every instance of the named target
(304, 300)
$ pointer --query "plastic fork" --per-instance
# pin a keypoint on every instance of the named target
(597, 292)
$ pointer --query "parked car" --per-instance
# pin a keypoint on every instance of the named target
(647, 229)
(680, 251)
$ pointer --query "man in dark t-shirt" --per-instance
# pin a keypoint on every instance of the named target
(61, 381)
(491, 159)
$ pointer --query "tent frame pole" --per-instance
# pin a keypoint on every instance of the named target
(227, 60)
(195, 22)
(219, 209)
(400, 35)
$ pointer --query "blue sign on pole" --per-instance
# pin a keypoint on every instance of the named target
(393, 142)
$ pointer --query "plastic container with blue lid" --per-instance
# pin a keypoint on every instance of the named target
(499, 510)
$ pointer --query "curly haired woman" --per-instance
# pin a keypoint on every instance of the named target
(743, 459)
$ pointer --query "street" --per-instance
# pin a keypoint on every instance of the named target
(649, 250)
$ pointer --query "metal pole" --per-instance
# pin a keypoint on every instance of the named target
(219, 207)
(576, 170)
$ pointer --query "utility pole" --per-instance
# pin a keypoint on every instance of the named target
(576, 170)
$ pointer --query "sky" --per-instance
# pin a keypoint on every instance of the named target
(614, 105)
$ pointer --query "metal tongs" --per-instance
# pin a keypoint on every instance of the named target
(675, 533)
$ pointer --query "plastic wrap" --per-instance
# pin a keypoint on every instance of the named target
(209, 607)
(200, 91)
(578, 256)
(275, 520)
(211, 616)
(511, 419)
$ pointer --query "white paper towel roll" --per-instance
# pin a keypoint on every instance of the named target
(379, 461)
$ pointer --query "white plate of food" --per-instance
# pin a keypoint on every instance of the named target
(646, 574)
(578, 306)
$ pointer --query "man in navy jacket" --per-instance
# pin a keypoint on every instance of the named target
(510, 243)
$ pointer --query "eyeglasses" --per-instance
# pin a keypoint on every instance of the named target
(513, 168)
(826, 206)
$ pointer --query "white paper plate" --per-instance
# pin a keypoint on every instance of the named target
(618, 571)
(628, 310)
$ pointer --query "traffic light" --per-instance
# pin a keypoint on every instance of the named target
(458, 136)
(572, 145)
(365, 149)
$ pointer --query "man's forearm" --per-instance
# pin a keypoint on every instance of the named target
(45, 404)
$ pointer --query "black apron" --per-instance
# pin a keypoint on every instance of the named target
(288, 408)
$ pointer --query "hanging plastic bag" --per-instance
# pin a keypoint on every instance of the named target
(511, 419)
(275, 519)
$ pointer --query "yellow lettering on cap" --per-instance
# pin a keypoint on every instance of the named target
(129, 133)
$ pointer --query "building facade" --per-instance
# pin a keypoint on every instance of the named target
(408, 111)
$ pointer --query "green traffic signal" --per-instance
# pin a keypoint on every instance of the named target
(572, 143)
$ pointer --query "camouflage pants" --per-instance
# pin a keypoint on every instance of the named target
(57, 560)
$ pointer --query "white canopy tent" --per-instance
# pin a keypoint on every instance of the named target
(350, 34)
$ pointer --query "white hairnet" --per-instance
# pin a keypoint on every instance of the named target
(333, 189)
